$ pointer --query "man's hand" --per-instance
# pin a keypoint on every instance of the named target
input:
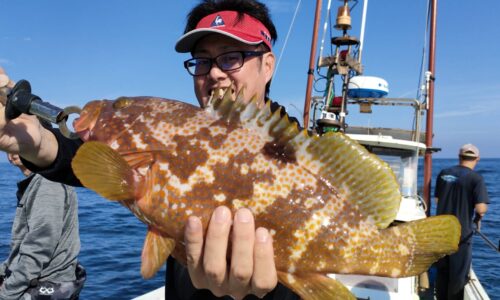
(24, 135)
(251, 269)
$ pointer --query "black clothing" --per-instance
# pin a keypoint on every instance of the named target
(458, 190)
(178, 284)
(179, 287)
(60, 170)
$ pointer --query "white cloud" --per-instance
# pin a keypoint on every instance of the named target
(464, 112)
(479, 107)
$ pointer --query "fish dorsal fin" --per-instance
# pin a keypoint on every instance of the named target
(255, 115)
(103, 170)
(315, 287)
(359, 176)
(155, 252)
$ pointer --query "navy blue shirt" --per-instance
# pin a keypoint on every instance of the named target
(459, 189)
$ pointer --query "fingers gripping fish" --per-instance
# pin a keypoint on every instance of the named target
(326, 200)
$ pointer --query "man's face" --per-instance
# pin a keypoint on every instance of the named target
(253, 75)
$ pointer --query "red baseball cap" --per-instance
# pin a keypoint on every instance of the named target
(246, 29)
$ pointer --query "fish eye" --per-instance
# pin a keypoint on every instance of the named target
(122, 102)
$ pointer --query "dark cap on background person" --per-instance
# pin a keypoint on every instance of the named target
(241, 27)
(468, 150)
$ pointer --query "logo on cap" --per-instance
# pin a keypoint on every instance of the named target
(217, 22)
(265, 36)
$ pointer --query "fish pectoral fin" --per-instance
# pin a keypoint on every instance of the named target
(141, 159)
(103, 170)
(315, 286)
(155, 252)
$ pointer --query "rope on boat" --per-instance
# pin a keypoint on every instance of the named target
(286, 38)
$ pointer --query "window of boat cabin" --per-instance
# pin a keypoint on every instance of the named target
(404, 164)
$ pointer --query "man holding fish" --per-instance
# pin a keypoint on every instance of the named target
(320, 204)
(228, 55)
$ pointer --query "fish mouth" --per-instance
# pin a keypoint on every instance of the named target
(84, 124)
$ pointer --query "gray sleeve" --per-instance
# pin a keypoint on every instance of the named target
(2, 268)
(45, 212)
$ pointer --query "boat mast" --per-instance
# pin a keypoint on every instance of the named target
(430, 108)
(310, 71)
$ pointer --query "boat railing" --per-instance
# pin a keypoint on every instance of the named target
(415, 135)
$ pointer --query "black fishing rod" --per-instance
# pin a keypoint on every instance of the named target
(490, 243)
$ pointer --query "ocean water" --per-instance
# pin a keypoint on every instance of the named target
(112, 238)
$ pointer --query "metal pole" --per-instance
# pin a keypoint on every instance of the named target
(310, 71)
(430, 110)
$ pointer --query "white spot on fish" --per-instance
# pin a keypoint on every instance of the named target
(182, 188)
(217, 130)
(189, 212)
(220, 197)
(321, 265)
(396, 231)
(244, 169)
(403, 249)
(139, 144)
(309, 202)
(115, 145)
(237, 204)
(374, 269)
(395, 272)
(163, 166)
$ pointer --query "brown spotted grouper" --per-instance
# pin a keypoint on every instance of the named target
(326, 200)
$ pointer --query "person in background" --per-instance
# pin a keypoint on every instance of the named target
(42, 263)
(460, 191)
(230, 42)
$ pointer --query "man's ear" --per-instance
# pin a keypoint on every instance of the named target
(269, 62)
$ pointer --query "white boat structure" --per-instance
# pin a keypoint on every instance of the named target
(400, 148)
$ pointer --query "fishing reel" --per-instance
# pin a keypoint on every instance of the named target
(20, 100)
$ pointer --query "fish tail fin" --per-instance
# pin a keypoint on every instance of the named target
(434, 237)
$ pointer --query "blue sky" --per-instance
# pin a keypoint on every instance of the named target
(76, 51)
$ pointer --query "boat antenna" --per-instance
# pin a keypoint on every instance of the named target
(286, 38)
(325, 28)
(422, 88)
